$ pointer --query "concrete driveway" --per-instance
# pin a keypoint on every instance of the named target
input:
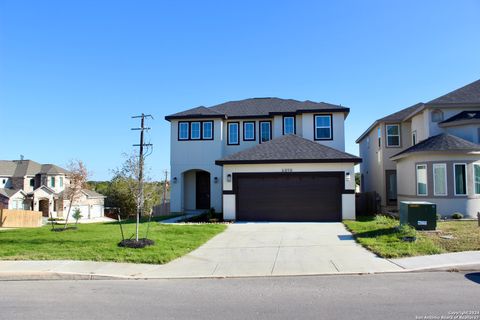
(263, 249)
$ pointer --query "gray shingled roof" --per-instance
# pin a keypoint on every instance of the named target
(463, 116)
(469, 94)
(398, 116)
(21, 168)
(257, 107)
(288, 149)
(8, 192)
(92, 194)
(441, 143)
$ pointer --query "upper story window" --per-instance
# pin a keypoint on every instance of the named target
(437, 115)
(4, 181)
(233, 133)
(393, 135)
(183, 130)
(60, 182)
(195, 133)
(32, 182)
(414, 138)
(368, 142)
(379, 135)
(323, 127)
(207, 130)
(289, 125)
(195, 130)
(265, 131)
(249, 131)
(52, 182)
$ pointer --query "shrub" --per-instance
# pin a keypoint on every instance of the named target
(77, 215)
(457, 215)
(406, 231)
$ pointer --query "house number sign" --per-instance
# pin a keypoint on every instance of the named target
(287, 170)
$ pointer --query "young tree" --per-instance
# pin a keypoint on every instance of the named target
(143, 198)
(78, 177)
(77, 215)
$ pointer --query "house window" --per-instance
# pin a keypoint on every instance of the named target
(393, 135)
(233, 133)
(249, 131)
(207, 130)
(379, 135)
(183, 131)
(60, 183)
(323, 127)
(52, 182)
(439, 179)
(32, 182)
(460, 173)
(421, 179)
(476, 174)
(195, 131)
(414, 138)
(368, 142)
(4, 181)
(265, 131)
(289, 125)
(437, 115)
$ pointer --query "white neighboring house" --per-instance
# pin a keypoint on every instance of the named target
(429, 152)
(28, 185)
(263, 159)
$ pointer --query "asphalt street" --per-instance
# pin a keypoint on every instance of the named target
(451, 295)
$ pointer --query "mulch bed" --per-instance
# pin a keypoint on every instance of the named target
(133, 243)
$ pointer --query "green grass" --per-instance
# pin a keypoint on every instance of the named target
(466, 236)
(98, 242)
(381, 235)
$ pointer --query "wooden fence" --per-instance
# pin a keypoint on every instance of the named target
(20, 218)
(367, 203)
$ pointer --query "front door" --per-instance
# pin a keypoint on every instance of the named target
(202, 190)
(391, 179)
(44, 207)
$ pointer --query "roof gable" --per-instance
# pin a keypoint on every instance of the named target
(288, 149)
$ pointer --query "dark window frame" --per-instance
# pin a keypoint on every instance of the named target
(465, 179)
(199, 130)
(228, 133)
(315, 126)
(260, 130)
(203, 130)
(294, 123)
(189, 126)
(254, 131)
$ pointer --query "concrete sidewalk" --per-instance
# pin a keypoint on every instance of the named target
(445, 261)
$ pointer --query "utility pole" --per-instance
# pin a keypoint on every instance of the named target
(140, 166)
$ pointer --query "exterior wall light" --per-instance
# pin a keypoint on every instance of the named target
(174, 179)
(215, 180)
(229, 177)
(347, 176)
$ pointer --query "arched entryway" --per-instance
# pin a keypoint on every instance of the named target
(196, 190)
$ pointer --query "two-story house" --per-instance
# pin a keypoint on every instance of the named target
(28, 185)
(428, 152)
(263, 159)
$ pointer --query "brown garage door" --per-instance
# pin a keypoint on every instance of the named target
(289, 196)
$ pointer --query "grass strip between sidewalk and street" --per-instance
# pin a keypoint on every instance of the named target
(98, 242)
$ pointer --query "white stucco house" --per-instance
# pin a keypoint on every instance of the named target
(263, 159)
(29, 185)
(429, 152)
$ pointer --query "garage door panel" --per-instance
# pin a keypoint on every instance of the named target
(289, 197)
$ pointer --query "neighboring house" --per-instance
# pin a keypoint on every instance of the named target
(263, 159)
(427, 152)
(28, 185)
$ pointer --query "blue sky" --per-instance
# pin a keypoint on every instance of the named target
(73, 72)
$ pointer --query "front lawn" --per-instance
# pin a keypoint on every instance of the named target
(382, 236)
(98, 242)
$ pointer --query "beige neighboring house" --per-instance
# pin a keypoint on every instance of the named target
(427, 152)
(28, 185)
